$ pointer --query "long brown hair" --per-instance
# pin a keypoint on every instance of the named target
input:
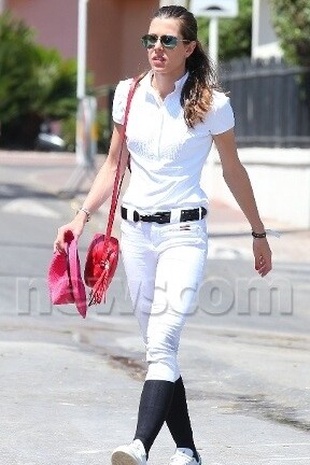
(196, 96)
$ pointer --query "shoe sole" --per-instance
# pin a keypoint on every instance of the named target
(121, 458)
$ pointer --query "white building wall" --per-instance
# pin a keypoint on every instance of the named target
(2, 5)
(264, 40)
(280, 180)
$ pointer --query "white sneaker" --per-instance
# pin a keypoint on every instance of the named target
(184, 456)
(133, 454)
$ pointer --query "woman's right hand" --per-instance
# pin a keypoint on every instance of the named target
(76, 227)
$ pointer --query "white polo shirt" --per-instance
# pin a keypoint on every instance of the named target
(166, 156)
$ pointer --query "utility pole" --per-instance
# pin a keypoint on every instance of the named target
(82, 48)
(86, 144)
(214, 42)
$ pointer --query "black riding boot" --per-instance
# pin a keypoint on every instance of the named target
(178, 420)
(155, 402)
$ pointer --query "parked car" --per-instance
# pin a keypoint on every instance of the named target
(48, 140)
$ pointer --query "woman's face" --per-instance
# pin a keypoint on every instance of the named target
(170, 61)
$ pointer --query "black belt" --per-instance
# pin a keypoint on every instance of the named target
(193, 214)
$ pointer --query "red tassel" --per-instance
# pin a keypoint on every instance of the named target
(100, 289)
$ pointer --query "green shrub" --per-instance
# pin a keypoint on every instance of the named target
(36, 84)
(291, 19)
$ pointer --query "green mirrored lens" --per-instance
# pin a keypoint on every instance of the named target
(169, 41)
(149, 40)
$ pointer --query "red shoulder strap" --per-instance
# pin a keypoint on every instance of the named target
(118, 178)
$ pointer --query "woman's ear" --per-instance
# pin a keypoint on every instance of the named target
(190, 48)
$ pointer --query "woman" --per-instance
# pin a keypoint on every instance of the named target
(175, 115)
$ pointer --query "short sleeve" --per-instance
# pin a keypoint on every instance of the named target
(120, 100)
(221, 118)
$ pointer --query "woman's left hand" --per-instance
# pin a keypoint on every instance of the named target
(262, 256)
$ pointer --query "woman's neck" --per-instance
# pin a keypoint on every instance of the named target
(164, 84)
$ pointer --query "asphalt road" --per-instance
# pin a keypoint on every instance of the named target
(244, 353)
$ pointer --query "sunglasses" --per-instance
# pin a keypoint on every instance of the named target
(167, 41)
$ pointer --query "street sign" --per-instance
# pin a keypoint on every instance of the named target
(214, 8)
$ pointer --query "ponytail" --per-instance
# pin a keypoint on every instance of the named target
(196, 96)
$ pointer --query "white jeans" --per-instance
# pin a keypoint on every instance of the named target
(164, 264)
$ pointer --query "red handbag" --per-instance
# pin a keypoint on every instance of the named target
(103, 251)
(101, 262)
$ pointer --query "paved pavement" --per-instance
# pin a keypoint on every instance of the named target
(64, 400)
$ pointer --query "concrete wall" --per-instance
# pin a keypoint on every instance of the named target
(280, 179)
(55, 25)
(114, 50)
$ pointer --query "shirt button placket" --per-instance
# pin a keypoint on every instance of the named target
(161, 119)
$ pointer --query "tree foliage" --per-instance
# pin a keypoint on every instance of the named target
(235, 34)
(291, 19)
(18, 56)
(35, 82)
